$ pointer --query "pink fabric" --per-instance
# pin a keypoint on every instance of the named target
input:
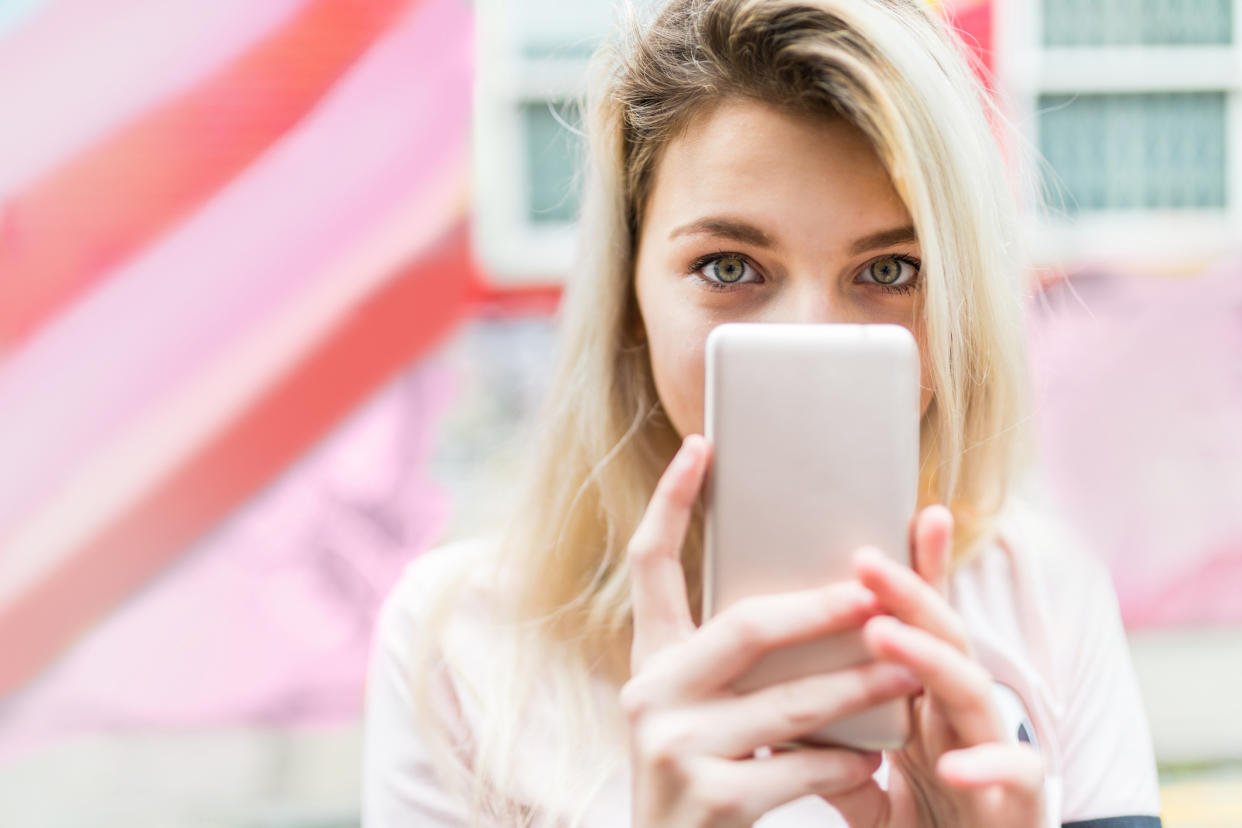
(1139, 405)
(75, 69)
(253, 249)
(269, 620)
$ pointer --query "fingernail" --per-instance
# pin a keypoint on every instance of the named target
(867, 602)
(898, 675)
(959, 764)
(869, 555)
(683, 453)
(852, 591)
(884, 623)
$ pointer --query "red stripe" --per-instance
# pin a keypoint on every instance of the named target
(67, 229)
(401, 321)
(974, 23)
(488, 300)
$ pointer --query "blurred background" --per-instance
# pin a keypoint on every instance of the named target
(277, 284)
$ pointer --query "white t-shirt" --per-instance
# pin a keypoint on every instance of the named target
(1043, 619)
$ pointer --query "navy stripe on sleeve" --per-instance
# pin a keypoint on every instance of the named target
(1116, 822)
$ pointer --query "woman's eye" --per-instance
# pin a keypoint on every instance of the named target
(892, 272)
(728, 270)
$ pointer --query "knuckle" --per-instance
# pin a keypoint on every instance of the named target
(664, 756)
(873, 690)
(726, 810)
(635, 700)
(746, 625)
(855, 771)
(662, 748)
(721, 805)
(979, 679)
(798, 710)
(960, 634)
(827, 772)
(640, 547)
(884, 680)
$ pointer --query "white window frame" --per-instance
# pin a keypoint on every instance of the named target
(513, 250)
(1151, 239)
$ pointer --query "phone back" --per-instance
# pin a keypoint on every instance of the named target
(815, 433)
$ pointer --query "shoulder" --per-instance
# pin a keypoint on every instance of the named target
(443, 566)
(1042, 568)
(1042, 609)
(457, 574)
(434, 628)
(1050, 549)
(418, 723)
(1041, 592)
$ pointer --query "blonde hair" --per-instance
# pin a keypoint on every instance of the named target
(892, 69)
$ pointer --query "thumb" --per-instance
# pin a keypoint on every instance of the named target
(657, 580)
(933, 546)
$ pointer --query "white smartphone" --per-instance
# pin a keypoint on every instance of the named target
(815, 433)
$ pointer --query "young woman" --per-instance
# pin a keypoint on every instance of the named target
(767, 161)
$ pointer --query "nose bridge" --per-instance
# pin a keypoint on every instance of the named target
(815, 299)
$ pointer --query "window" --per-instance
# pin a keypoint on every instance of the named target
(1074, 23)
(531, 62)
(1136, 105)
(1136, 150)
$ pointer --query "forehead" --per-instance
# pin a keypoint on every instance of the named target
(800, 177)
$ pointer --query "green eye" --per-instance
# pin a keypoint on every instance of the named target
(729, 269)
(886, 271)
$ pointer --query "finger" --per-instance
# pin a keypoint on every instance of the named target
(958, 684)
(732, 641)
(1014, 766)
(1006, 778)
(735, 726)
(741, 792)
(657, 580)
(932, 546)
(860, 805)
(907, 596)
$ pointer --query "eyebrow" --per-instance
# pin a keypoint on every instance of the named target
(747, 233)
(726, 228)
(884, 238)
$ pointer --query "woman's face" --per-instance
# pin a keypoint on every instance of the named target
(759, 215)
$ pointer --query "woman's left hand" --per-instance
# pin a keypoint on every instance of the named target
(960, 767)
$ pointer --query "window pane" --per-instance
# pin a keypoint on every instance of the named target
(551, 157)
(561, 29)
(1137, 22)
(1135, 152)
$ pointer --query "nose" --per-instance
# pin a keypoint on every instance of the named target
(810, 301)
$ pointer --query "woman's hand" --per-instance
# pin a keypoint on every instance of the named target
(960, 767)
(692, 740)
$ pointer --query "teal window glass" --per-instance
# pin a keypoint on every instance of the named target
(559, 50)
(1137, 22)
(551, 160)
(558, 29)
(1136, 151)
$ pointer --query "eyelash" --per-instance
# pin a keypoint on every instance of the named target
(704, 261)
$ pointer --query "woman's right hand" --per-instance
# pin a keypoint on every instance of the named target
(692, 739)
